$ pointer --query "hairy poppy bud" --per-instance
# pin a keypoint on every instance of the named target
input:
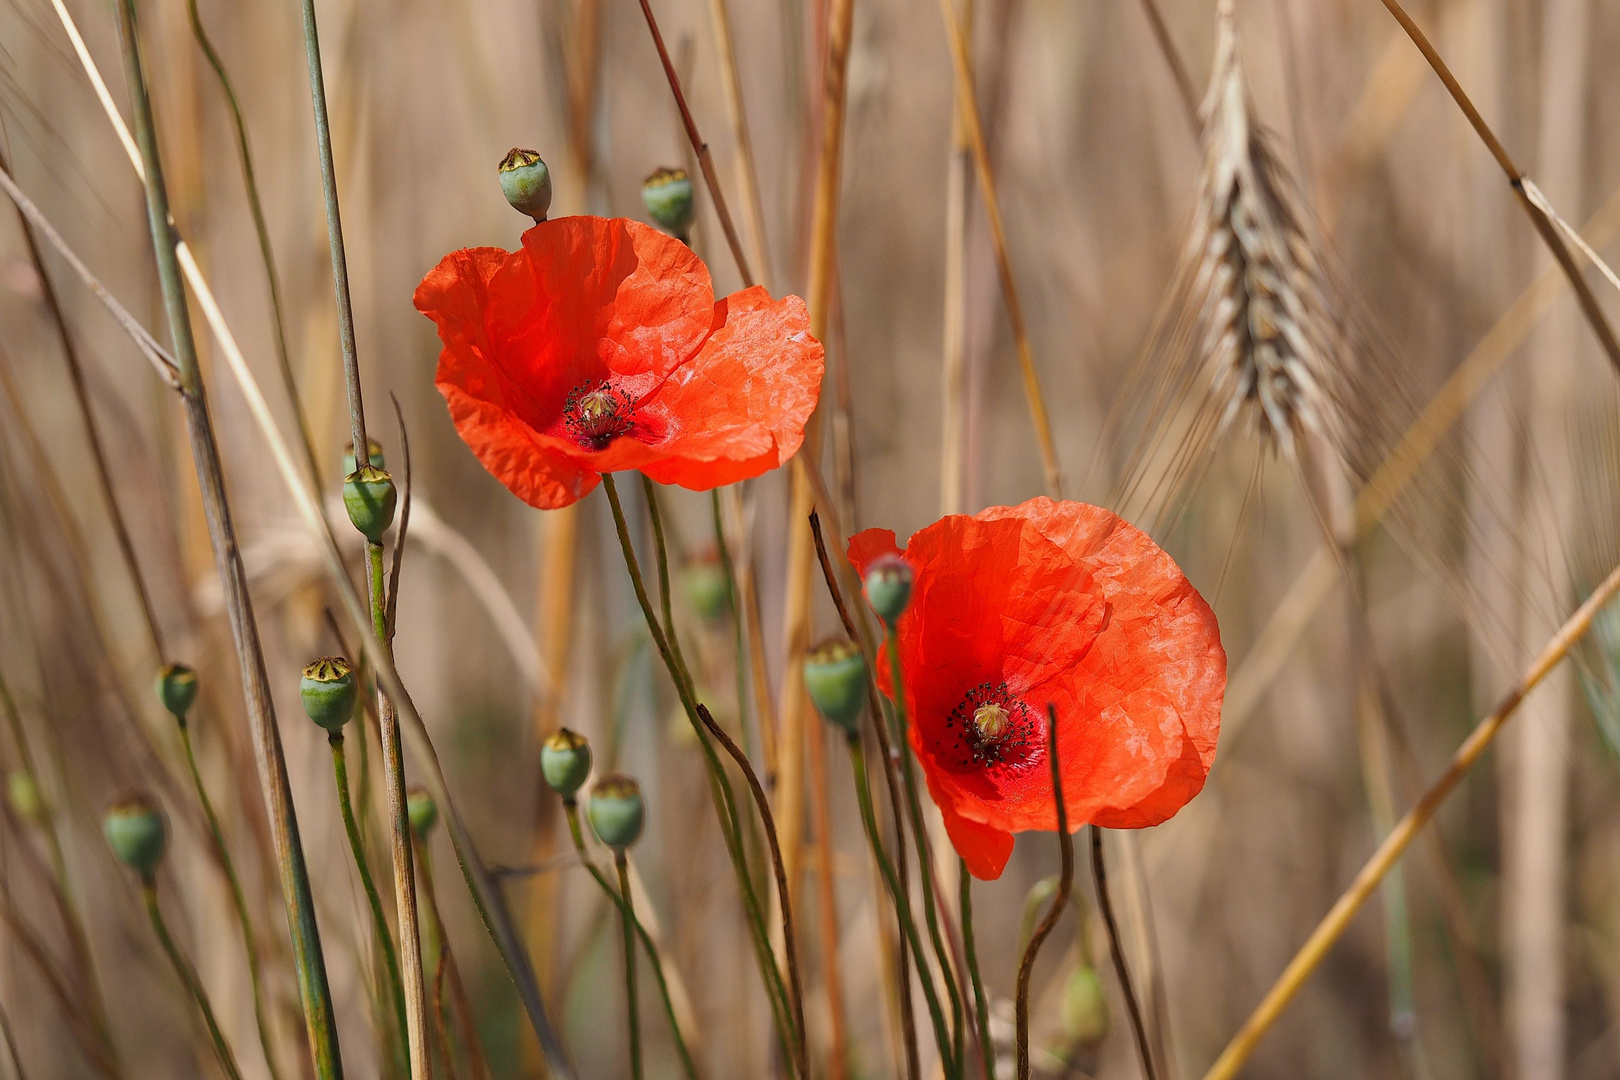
(24, 796)
(617, 811)
(422, 810)
(370, 497)
(835, 675)
(1085, 1007)
(704, 580)
(565, 761)
(526, 182)
(177, 689)
(328, 691)
(669, 198)
(374, 451)
(134, 829)
(888, 587)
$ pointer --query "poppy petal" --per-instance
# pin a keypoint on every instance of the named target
(984, 848)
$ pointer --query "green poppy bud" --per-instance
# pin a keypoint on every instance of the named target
(328, 691)
(669, 198)
(24, 796)
(617, 811)
(1085, 1007)
(134, 829)
(374, 451)
(177, 689)
(526, 182)
(888, 587)
(706, 587)
(835, 675)
(565, 761)
(370, 497)
(422, 810)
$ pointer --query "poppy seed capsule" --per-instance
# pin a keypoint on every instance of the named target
(835, 675)
(706, 587)
(328, 691)
(370, 497)
(177, 689)
(526, 182)
(617, 811)
(668, 196)
(23, 795)
(374, 451)
(565, 761)
(134, 830)
(888, 587)
(422, 810)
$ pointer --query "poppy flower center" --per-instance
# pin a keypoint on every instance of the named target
(596, 414)
(990, 727)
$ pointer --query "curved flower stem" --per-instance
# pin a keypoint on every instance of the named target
(719, 782)
(1099, 872)
(627, 921)
(788, 943)
(188, 977)
(664, 598)
(278, 319)
(739, 632)
(908, 927)
(981, 1006)
(925, 862)
(238, 900)
(571, 810)
(1026, 966)
(379, 921)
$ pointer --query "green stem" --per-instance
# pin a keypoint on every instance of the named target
(925, 858)
(981, 1006)
(447, 969)
(908, 927)
(664, 602)
(266, 252)
(379, 922)
(222, 1049)
(719, 783)
(738, 630)
(571, 810)
(627, 920)
(238, 900)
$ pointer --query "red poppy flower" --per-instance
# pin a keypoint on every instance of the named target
(598, 346)
(1060, 603)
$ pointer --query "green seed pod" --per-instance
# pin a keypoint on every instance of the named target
(888, 587)
(565, 761)
(177, 689)
(526, 182)
(1085, 1007)
(669, 199)
(706, 587)
(617, 811)
(422, 810)
(370, 497)
(835, 675)
(25, 798)
(374, 451)
(134, 829)
(328, 691)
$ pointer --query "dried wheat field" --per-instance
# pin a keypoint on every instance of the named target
(813, 539)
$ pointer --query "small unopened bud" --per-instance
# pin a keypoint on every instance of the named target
(526, 182)
(374, 451)
(328, 690)
(422, 810)
(565, 761)
(1085, 1007)
(669, 199)
(888, 587)
(370, 497)
(617, 811)
(704, 581)
(835, 676)
(24, 796)
(135, 832)
(177, 689)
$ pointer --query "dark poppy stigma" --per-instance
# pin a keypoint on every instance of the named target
(597, 413)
